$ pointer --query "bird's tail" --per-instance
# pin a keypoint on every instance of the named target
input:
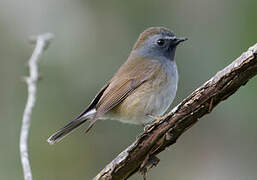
(61, 133)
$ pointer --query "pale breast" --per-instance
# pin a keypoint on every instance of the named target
(167, 89)
(152, 98)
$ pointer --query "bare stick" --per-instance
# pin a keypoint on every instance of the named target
(42, 41)
(141, 155)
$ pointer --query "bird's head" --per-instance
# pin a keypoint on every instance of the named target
(157, 42)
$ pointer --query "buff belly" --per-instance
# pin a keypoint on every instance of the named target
(152, 98)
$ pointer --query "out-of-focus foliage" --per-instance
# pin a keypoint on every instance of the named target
(93, 38)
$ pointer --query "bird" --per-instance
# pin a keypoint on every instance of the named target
(141, 90)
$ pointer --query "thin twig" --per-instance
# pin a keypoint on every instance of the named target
(141, 155)
(42, 41)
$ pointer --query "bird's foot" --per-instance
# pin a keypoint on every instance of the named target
(156, 119)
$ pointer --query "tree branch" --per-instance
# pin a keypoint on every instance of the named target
(42, 42)
(140, 156)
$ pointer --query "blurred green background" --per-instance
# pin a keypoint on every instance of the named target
(92, 39)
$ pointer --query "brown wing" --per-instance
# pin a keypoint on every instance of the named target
(123, 84)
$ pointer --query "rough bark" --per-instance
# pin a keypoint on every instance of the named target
(141, 155)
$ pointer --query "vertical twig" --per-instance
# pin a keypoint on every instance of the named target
(41, 41)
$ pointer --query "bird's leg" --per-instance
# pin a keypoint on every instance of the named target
(156, 119)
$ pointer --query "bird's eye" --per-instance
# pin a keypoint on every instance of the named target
(160, 42)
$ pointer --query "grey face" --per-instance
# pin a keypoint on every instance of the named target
(160, 46)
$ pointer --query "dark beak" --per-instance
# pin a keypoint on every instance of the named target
(180, 39)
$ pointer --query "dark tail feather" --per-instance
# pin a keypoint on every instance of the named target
(60, 134)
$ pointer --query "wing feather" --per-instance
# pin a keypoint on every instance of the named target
(130, 76)
(94, 102)
(119, 89)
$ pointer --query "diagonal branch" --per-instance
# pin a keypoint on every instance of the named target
(42, 41)
(140, 156)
